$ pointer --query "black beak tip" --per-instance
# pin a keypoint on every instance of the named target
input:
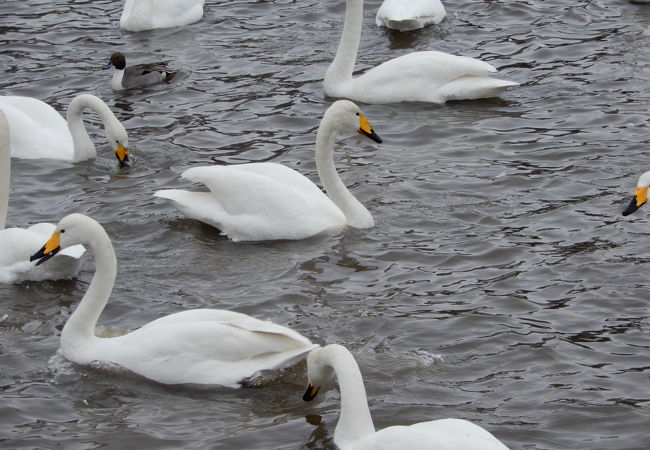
(126, 162)
(632, 207)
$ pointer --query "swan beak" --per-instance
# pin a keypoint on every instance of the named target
(366, 130)
(51, 248)
(311, 392)
(122, 156)
(640, 197)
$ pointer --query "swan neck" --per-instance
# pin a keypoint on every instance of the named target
(80, 327)
(83, 146)
(355, 421)
(5, 169)
(343, 65)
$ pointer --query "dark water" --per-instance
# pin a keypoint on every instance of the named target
(500, 283)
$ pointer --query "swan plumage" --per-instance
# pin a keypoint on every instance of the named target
(640, 196)
(355, 429)
(140, 15)
(200, 346)
(18, 244)
(38, 131)
(267, 201)
(427, 76)
(129, 77)
(408, 15)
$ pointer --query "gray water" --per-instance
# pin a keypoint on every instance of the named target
(500, 284)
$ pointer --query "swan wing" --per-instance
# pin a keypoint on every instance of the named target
(263, 201)
(37, 130)
(445, 434)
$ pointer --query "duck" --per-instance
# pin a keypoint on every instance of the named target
(409, 15)
(355, 429)
(640, 196)
(270, 201)
(426, 76)
(141, 15)
(18, 244)
(38, 131)
(136, 76)
(193, 347)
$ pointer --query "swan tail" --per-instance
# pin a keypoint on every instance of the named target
(473, 87)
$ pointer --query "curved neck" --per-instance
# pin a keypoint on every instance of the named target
(5, 169)
(83, 146)
(355, 421)
(356, 214)
(80, 327)
(343, 65)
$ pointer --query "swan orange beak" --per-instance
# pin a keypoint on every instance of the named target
(122, 156)
(366, 130)
(311, 392)
(51, 248)
(640, 197)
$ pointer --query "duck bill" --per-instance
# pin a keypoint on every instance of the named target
(366, 130)
(122, 155)
(311, 392)
(639, 199)
(51, 248)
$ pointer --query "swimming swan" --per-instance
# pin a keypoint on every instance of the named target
(136, 76)
(266, 201)
(640, 194)
(430, 76)
(39, 132)
(18, 244)
(198, 346)
(355, 429)
(408, 15)
(140, 15)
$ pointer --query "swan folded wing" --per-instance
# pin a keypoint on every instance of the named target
(445, 434)
(202, 206)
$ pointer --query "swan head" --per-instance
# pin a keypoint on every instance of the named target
(73, 229)
(320, 367)
(640, 194)
(347, 116)
(119, 141)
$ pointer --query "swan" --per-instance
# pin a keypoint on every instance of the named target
(408, 15)
(198, 346)
(136, 76)
(267, 201)
(39, 132)
(18, 244)
(640, 194)
(429, 76)
(355, 429)
(140, 15)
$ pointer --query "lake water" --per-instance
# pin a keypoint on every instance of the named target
(499, 285)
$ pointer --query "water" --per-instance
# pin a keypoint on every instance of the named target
(500, 283)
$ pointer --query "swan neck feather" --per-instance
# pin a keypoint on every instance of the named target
(343, 65)
(5, 169)
(83, 146)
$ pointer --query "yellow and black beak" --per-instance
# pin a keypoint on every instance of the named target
(51, 248)
(640, 197)
(311, 392)
(366, 130)
(122, 154)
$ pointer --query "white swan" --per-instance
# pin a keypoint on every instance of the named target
(18, 244)
(408, 15)
(199, 346)
(355, 429)
(136, 76)
(39, 132)
(640, 194)
(266, 201)
(420, 76)
(140, 15)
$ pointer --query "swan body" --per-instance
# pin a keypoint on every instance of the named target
(428, 76)
(200, 346)
(640, 194)
(355, 429)
(136, 76)
(18, 244)
(267, 201)
(140, 15)
(408, 15)
(39, 132)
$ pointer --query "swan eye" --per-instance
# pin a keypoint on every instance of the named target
(62, 231)
(356, 114)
